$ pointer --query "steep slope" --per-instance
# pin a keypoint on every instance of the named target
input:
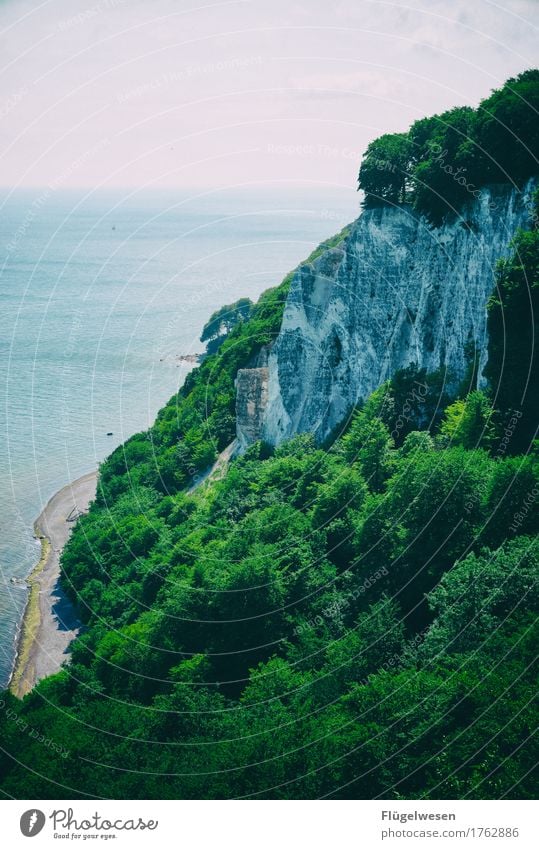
(395, 291)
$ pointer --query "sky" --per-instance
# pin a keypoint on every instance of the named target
(221, 93)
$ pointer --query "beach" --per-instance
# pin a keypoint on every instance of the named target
(49, 623)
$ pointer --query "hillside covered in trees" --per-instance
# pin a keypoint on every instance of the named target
(353, 620)
(444, 160)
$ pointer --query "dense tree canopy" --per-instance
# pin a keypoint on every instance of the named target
(383, 174)
(445, 160)
(316, 622)
(223, 320)
(513, 325)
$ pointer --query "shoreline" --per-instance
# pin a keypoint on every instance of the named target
(48, 624)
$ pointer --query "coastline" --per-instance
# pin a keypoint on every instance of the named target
(49, 624)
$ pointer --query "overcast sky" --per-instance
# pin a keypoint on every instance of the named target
(200, 93)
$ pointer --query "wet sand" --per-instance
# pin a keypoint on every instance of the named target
(49, 623)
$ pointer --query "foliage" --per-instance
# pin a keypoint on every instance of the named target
(383, 172)
(444, 161)
(513, 327)
(468, 422)
(357, 620)
(225, 319)
(413, 399)
(200, 421)
(352, 622)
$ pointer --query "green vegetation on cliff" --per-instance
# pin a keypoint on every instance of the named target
(443, 161)
(513, 327)
(355, 621)
(199, 421)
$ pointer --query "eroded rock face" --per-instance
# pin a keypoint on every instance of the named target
(251, 403)
(395, 292)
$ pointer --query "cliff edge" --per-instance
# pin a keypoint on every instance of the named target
(395, 291)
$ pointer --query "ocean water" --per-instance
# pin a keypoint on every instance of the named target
(100, 295)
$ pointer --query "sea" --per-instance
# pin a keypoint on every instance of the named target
(102, 293)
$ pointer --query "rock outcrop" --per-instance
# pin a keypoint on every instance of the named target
(251, 404)
(396, 291)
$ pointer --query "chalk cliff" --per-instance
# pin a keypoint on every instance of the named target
(251, 405)
(393, 292)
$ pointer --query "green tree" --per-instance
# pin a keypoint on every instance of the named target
(223, 320)
(469, 422)
(507, 130)
(442, 182)
(384, 170)
(513, 327)
(479, 593)
(368, 443)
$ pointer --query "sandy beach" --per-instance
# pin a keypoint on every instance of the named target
(49, 623)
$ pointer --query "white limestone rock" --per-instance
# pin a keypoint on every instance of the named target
(395, 292)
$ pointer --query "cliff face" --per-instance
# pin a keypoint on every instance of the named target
(251, 405)
(394, 292)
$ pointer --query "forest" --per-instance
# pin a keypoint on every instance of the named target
(444, 160)
(350, 620)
